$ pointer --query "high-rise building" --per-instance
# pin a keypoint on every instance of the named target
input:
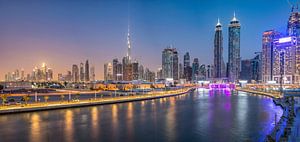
(219, 66)
(234, 58)
(81, 72)
(75, 73)
(141, 72)
(180, 71)
(87, 71)
(195, 69)
(115, 64)
(135, 70)
(159, 74)
(49, 74)
(108, 71)
(119, 72)
(170, 63)
(93, 75)
(256, 66)
(268, 54)
(127, 69)
(187, 69)
(246, 70)
(285, 60)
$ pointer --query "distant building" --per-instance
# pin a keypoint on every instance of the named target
(93, 75)
(246, 70)
(87, 71)
(75, 73)
(81, 72)
(187, 69)
(195, 69)
(108, 71)
(135, 70)
(115, 71)
(141, 72)
(170, 63)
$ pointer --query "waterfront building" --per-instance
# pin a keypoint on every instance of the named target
(170, 63)
(75, 73)
(108, 72)
(234, 59)
(159, 73)
(268, 54)
(219, 65)
(202, 72)
(285, 66)
(87, 71)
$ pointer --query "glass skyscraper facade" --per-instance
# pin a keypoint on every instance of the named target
(234, 58)
(219, 66)
(170, 63)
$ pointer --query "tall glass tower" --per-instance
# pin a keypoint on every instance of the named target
(219, 65)
(234, 58)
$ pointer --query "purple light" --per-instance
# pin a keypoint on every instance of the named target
(285, 39)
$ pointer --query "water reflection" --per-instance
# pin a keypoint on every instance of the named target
(35, 128)
(69, 126)
(95, 122)
(199, 116)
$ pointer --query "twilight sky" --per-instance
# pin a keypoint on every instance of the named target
(65, 32)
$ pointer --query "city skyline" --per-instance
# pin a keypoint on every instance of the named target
(60, 54)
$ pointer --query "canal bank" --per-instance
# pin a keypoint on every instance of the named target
(287, 128)
(91, 102)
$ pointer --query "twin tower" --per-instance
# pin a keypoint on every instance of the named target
(233, 67)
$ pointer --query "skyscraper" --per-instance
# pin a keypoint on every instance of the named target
(135, 70)
(180, 70)
(234, 58)
(115, 64)
(195, 69)
(170, 63)
(87, 71)
(268, 54)
(187, 69)
(108, 71)
(81, 72)
(219, 65)
(93, 75)
(75, 73)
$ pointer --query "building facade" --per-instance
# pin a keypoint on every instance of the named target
(219, 65)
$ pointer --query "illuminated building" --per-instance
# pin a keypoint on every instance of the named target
(285, 60)
(234, 58)
(195, 69)
(119, 72)
(115, 72)
(135, 70)
(141, 72)
(108, 71)
(219, 65)
(170, 63)
(268, 55)
(187, 69)
(93, 75)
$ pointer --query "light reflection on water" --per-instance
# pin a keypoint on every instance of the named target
(199, 116)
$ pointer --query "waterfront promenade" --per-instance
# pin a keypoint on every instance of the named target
(91, 101)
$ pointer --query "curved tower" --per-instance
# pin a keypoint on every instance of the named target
(219, 65)
(234, 58)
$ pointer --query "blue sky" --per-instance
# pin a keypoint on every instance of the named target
(66, 32)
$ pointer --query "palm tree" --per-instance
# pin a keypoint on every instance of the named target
(26, 99)
(4, 98)
(62, 97)
(46, 98)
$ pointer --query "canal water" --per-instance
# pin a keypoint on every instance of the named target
(210, 116)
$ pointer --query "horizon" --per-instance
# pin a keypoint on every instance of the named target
(62, 33)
